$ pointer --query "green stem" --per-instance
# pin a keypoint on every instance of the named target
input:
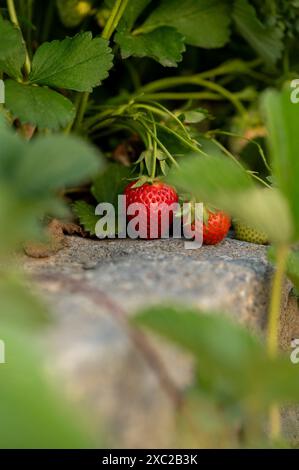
(106, 34)
(162, 111)
(118, 17)
(275, 302)
(14, 19)
(226, 68)
(182, 139)
(195, 80)
(179, 96)
(155, 148)
(81, 109)
(116, 14)
(250, 141)
(148, 129)
(273, 327)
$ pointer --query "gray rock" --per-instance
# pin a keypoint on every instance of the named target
(92, 287)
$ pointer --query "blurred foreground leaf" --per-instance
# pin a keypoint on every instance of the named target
(282, 120)
(231, 363)
(226, 185)
(32, 413)
(31, 173)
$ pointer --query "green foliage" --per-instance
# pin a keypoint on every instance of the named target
(266, 40)
(30, 173)
(283, 121)
(204, 23)
(39, 106)
(66, 160)
(79, 63)
(12, 50)
(106, 188)
(18, 306)
(169, 26)
(131, 14)
(164, 44)
(86, 215)
(227, 185)
(292, 264)
(33, 415)
(110, 183)
(233, 369)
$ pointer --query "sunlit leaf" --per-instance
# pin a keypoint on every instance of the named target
(282, 120)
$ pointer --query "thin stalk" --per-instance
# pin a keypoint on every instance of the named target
(118, 17)
(182, 96)
(227, 152)
(169, 82)
(81, 109)
(155, 148)
(165, 113)
(14, 19)
(106, 34)
(148, 129)
(260, 149)
(116, 14)
(273, 328)
(195, 80)
(275, 302)
(182, 139)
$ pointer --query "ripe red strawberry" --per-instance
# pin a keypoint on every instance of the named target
(215, 227)
(152, 193)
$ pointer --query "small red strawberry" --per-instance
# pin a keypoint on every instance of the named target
(155, 193)
(216, 225)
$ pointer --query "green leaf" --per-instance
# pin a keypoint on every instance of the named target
(226, 185)
(38, 106)
(110, 183)
(231, 363)
(131, 14)
(204, 23)
(86, 215)
(52, 162)
(282, 120)
(33, 413)
(79, 63)
(149, 160)
(165, 45)
(225, 353)
(231, 347)
(18, 305)
(12, 49)
(164, 167)
(194, 116)
(267, 41)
